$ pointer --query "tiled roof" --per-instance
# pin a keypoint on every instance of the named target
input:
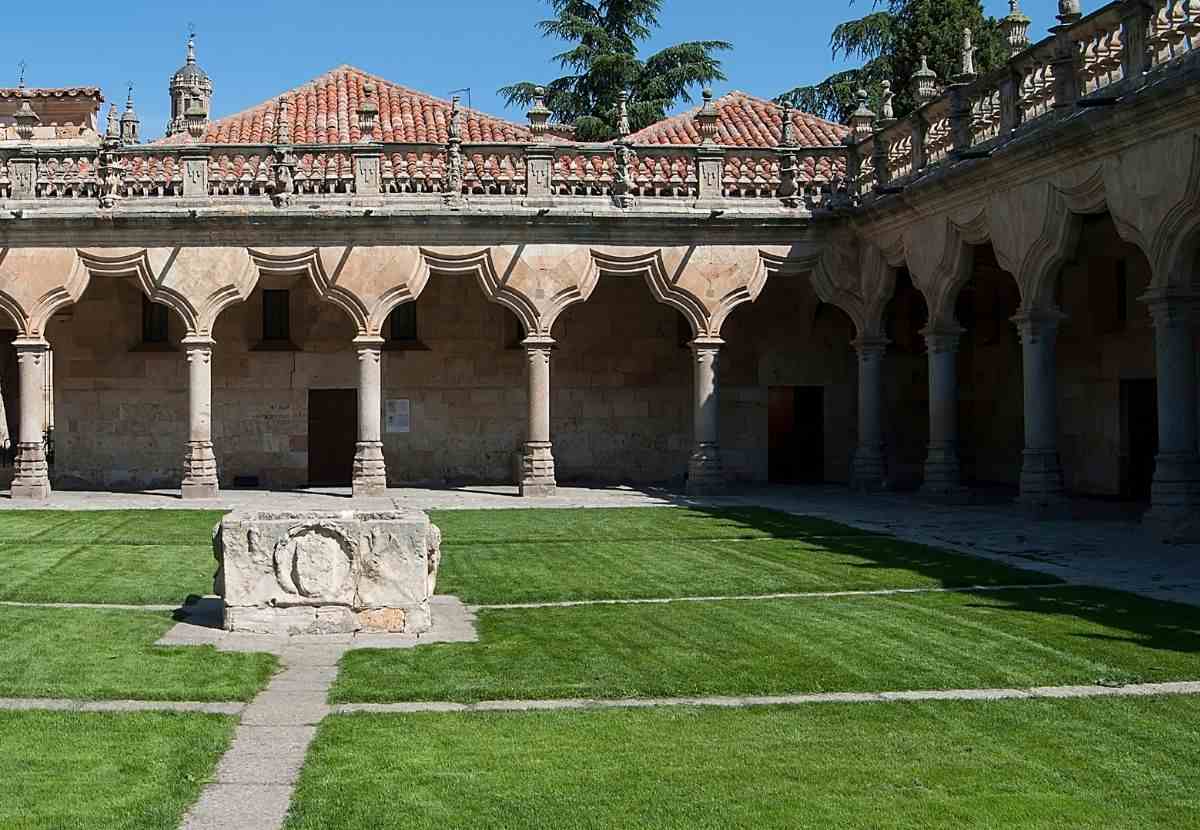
(745, 121)
(323, 111)
(64, 92)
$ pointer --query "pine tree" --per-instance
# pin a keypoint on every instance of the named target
(890, 42)
(604, 62)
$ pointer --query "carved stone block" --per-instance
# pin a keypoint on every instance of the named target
(327, 573)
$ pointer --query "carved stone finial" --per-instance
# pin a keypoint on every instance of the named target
(787, 134)
(368, 113)
(623, 114)
(197, 120)
(1015, 28)
(707, 119)
(454, 130)
(1069, 11)
(887, 106)
(968, 56)
(283, 123)
(191, 48)
(113, 130)
(21, 67)
(539, 113)
(131, 125)
(924, 83)
(862, 121)
(26, 120)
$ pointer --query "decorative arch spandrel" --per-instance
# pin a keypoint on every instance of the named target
(37, 282)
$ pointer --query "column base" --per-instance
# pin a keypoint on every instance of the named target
(370, 472)
(868, 473)
(199, 471)
(706, 476)
(537, 479)
(943, 477)
(1042, 490)
(1174, 517)
(31, 476)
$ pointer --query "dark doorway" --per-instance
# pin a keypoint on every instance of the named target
(796, 425)
(332, 436)
(1139, 437)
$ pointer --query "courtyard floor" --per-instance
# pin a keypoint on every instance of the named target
(836, 661)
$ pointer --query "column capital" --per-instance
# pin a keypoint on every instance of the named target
(369, 341)
(34, 345)
(1038, 323)
(942, 338)
(1172, 309)
(871, 344)
(707, 344)
(197, 341)
(538, 342)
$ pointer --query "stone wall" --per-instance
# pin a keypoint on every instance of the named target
(621, 381)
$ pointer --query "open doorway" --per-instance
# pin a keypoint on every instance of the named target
(1139, 437)
(796, 423)
(332, 436)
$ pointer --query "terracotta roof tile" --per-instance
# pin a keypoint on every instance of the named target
(323, 111)
(745, 121)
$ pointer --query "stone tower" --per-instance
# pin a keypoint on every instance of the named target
(130, 123)
(191, 89)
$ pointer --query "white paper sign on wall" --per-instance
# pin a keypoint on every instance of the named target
(399, 416)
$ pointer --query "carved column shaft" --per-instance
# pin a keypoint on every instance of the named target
(31, 479)
(943, 473)
(537, 458)
(705, 475)
(1175, 511)
(199, 463)
(370, 472)
(1041, 470)
(869, 467)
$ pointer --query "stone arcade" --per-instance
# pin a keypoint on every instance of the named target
(1015, 265)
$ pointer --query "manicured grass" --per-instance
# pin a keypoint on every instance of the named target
(119, 557)
(562, 571)
(481, 527)
(1125, 763)
(72, 771)
(110, 655)
(931, 641)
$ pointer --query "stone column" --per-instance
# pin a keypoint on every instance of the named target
(869, 468)
(943, 474)
(1041, 470)
(537, 457)
(1175, 510)
(31, 477)
(705, 476)
(200, 464)
(370, 472)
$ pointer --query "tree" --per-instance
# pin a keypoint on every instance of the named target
(604, 62)
(890, 42)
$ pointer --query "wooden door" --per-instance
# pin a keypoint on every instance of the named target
(332, 436)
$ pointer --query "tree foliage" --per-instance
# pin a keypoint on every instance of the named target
(604, 60)
(889, 42)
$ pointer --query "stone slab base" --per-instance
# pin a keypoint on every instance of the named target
(199, 490)
(31, 490)
(368, 489)
(1173, 526)
(538, 489)
(328, 619)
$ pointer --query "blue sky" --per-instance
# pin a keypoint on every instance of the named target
(256, 49)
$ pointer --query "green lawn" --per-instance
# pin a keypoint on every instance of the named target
(119, 557)
(110, 655)
(1129, 763)
(72, 771)
(929, 641)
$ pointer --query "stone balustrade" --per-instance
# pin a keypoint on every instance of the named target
(1091, 62)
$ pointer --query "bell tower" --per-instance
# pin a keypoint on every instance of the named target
(191, 92)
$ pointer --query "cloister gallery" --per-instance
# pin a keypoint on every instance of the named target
(359, 283)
